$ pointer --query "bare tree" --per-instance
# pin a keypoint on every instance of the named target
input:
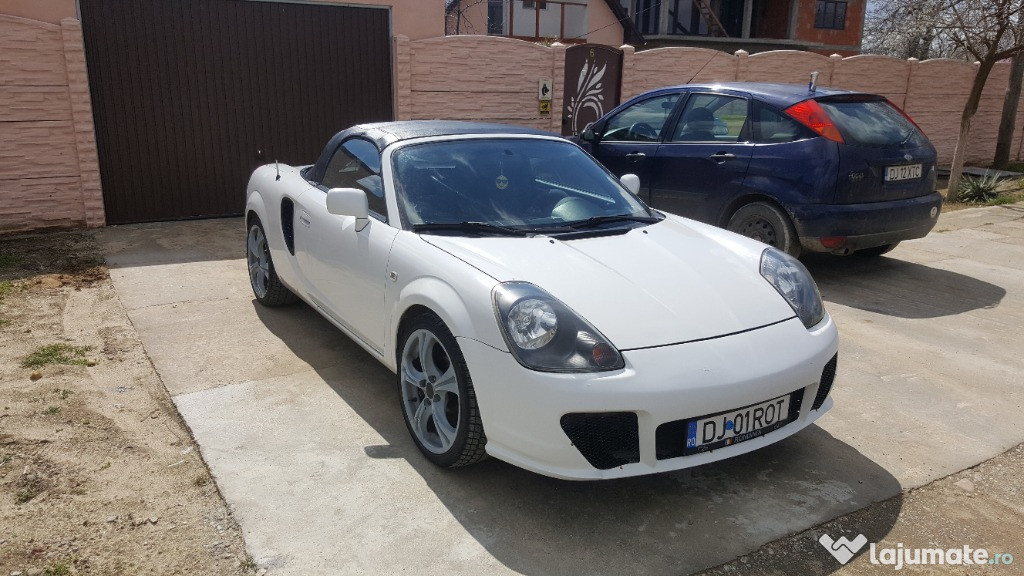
(456, 17)
(981, 31)
(1006, 123)
(990, 31)
(905, 29)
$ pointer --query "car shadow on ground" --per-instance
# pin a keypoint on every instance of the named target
(676, 523)
(895, 287)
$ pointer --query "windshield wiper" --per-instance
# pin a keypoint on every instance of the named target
(598, 220)
(477, 227)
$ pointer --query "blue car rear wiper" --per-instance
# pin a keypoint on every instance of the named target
(476, 227)
(598, 220)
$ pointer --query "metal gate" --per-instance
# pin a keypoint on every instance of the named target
(189, 96)
(593, 77)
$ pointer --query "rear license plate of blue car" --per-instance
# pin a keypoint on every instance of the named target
(739, 425)
(904, 172)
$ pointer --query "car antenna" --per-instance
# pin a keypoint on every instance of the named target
(278, 167)
(811, 86)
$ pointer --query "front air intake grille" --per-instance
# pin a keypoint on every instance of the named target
(828, 375)
(606, 440)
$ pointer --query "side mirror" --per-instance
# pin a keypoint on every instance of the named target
(631, 182)
(588, 134)
(349, 202)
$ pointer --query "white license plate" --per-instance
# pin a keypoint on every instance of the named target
(727, 428)
(905, 172)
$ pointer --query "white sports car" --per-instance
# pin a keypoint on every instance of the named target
(534, 309)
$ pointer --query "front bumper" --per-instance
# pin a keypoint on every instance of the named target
(614, 417)
(865, 225)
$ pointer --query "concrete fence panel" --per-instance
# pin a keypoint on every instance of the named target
(785, 66)
(985, 124)
(479, 78)
(669, 66)
(936, 93)
(870, 73)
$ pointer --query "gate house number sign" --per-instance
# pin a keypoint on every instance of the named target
(544, 95)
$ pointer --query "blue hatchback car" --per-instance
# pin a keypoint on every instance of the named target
(799, 168)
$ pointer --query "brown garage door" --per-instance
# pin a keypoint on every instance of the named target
(189, 96)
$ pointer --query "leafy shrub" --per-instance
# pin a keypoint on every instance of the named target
(978, 190)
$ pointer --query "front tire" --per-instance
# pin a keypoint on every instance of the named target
(437, 395)
(766, 223)
(266, 286)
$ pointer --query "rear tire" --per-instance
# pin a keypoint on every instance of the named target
(766, 223)
(876, 251)
(266, 286)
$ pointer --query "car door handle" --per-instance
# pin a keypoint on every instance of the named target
(635, 156)
(304, 219)
(722, 157)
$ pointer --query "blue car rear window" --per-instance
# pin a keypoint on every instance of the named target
(872, 123)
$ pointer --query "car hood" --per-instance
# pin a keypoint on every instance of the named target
(672, 282)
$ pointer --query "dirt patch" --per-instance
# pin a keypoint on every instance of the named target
(98, 473)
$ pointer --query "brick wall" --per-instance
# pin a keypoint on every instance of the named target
(49, 175)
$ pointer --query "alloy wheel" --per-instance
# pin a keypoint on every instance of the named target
(430, 391)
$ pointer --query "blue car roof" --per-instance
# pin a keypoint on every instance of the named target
(778, 94)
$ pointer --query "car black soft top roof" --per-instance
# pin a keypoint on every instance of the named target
(383, 134)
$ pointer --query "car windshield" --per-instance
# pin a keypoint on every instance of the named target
(503, 185)
(872, 123)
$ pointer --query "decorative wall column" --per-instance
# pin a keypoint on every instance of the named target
(403, 78)
(81, 115)
(626, 89)
(742, 63)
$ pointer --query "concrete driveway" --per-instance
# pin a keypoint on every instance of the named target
(303, 433)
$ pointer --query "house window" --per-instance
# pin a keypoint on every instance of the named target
(830, 14)
(647, 15)
(495, 17)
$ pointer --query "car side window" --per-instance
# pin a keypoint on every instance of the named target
(773, 127)
(711, 118)
(641, 122)
(356, 164)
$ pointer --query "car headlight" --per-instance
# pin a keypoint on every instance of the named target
(544, 334)
(794, 282)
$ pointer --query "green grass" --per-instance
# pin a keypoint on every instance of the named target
(8, 260)
(57, 354)
(24, 495)
(58, 569)
(52, 410)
